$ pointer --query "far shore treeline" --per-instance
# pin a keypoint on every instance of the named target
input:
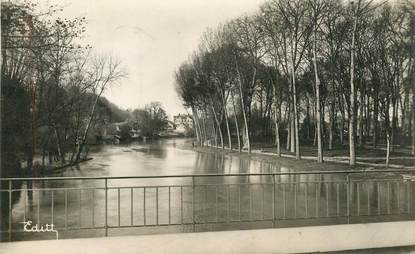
(52, 85)
(328, 73)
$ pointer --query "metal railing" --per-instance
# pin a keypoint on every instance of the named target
(194, 201)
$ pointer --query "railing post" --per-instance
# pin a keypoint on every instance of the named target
(10, 211)
(106, 207)
(348, 198)
(193, 203)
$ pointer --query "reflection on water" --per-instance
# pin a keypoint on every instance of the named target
(215, 199)
(163, 157)
(160, 157)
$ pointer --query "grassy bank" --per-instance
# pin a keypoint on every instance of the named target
(300, 165)
(335, 159)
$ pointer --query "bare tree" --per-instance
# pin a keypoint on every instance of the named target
(318, 7)
(248, 37)
(358, 12)
(104, 71)
(296, 35)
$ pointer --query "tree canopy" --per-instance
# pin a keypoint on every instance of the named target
(306, 72)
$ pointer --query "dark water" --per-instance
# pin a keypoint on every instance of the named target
(218, 203)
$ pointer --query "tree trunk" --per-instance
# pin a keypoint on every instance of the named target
(318, 110)
(218, 125)
(88, 126)
(341, 132)
(413, 82)
(410, 123)
(197, 126)
(413, 118)
(59, 145)
(388, 148)
(236, 121)
(205, 134)
(394, 120)
(308, 117)
(361, 119)
(296, 120)
(413, 85)
(368, 118)
(225, 111)
(375, 120)
(342, 120)
(43, 156)
(403, 106)
(277, 131)
(388, 129)
(323, 122)
(352, 150)
(215, 135)
(292, 134)
(288, 145)
(227, 127)
(243, 110)
(331, 125)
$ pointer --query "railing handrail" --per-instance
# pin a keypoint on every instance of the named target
(328, 172)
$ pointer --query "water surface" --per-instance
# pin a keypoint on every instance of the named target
(210, 203)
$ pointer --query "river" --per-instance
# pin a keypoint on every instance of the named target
(217, 202)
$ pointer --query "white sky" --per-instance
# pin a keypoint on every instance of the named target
(151, 38)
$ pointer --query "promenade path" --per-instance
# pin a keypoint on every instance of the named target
(374, 237)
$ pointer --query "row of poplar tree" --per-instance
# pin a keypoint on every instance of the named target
(328, 72)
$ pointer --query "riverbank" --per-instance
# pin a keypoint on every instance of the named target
(46, 170)
(292, 163)
(335, 159)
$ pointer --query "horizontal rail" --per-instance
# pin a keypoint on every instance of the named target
(211, 175)
(198, 185)
(187, 202)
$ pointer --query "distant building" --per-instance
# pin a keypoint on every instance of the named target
(183, 119)
(183, 123)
